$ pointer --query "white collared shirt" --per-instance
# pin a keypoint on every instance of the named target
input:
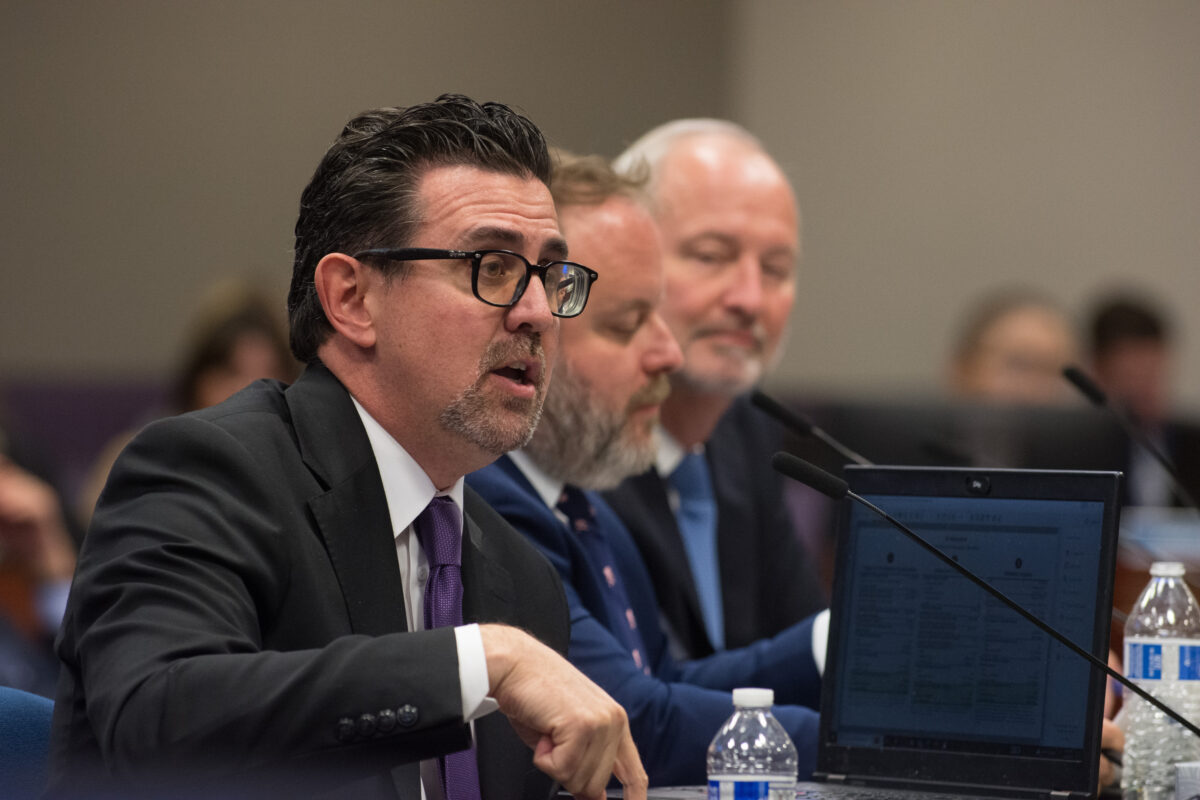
(547, 486)
(408, 490)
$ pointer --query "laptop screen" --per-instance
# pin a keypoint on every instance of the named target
(930, 679)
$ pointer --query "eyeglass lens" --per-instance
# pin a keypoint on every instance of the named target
(502, 276)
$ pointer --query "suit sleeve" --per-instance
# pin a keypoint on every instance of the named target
(192, 552)
(672, 721)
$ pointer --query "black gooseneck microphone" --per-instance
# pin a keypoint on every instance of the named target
(800, 470)
(1088, 388)
(801, 424)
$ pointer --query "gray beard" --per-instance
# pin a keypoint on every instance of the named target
(725, 387)
(471, 415)
(582, 444)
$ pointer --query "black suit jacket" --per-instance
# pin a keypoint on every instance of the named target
(767, 582)
(1181, 445)
(236, 624)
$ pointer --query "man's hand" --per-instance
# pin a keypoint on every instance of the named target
(1112, 738)
(579, 735)
(32, 531)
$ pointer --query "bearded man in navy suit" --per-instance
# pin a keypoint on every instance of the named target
(598, 427)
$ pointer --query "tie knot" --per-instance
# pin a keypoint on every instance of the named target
(577, 507)
(439, 530)
(691, 478)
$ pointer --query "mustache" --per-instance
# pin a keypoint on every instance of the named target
(752, 326)
(652, 393)
(519, 346)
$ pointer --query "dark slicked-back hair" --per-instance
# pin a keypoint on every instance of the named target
(364, 192)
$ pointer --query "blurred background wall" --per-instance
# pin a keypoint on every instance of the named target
(940, 148)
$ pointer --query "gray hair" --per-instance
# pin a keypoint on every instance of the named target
(645, 155)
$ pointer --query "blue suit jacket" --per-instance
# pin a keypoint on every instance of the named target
(675, 712)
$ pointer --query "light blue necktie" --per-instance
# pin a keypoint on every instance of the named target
(697, 519)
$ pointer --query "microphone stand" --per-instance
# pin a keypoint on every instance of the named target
(1088, 388)
(803, 425)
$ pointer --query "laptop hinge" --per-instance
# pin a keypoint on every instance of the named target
(833, 778)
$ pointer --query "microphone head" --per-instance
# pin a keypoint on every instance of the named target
(1086, 386)
(810, 475)
(777, 410)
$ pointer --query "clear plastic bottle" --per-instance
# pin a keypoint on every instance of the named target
(752, 757)
(1162, 654)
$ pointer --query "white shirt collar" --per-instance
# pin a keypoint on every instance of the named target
(550, 489)
(670, 453)
(405, 485)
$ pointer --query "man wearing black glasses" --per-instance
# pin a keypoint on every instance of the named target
(292, 592)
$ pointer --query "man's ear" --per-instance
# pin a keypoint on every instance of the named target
(342, 284)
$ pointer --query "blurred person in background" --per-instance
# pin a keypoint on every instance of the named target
(235, 337)
(1011, 348)
(38, 542)
(1131, 348)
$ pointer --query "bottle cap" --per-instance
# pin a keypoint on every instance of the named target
(1167, 569)
(753, 698)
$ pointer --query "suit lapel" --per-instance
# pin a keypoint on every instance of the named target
(488, 590)
(489, 595)
(665, 530)
(351, 513)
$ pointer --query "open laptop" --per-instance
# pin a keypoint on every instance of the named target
(931, 684)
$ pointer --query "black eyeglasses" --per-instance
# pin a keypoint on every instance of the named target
(499, 277)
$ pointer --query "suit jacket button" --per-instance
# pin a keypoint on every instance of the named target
(366, 724)
(386, 720)
(406, 715)
(345, 729)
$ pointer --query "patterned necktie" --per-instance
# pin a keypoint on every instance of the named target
(582, 519)
(440, 532)
(697, 519)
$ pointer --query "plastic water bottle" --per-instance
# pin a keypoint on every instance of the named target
(1162, 654)
(752, 757)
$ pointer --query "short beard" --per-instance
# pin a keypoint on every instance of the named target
(721, 385)
(582, 444)
(472, 415)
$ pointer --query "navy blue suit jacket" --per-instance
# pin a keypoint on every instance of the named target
(675, 712)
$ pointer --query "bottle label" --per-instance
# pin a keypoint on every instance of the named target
(1189, 662)
(1162, 659)
(750, 787)
(1143, 660)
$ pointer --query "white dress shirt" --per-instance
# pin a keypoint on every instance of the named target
(408, 491)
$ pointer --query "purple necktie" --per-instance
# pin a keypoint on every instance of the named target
(440, 533)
